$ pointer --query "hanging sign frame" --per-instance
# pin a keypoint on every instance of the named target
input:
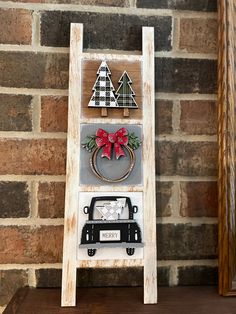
(81, 120)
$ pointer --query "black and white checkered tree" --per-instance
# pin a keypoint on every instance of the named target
(125, 94)
(103, 95)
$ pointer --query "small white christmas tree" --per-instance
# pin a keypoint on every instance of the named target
(103, 89)
(125, 93)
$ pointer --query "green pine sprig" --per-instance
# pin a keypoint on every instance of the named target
(90, 143)
(134, 142)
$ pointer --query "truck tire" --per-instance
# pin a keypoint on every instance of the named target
(130, 251)
(91, 252)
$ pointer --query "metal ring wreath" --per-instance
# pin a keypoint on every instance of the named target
(106, 141)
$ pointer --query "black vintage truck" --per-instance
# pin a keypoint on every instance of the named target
(99, 233)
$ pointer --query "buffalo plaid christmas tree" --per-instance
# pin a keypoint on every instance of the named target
(125, 92)
(103, 88)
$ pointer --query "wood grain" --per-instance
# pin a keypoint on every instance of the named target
(116, 263)
(123, 300)
(149, 179)
(226, 140)
(117, 67)
(68, 297)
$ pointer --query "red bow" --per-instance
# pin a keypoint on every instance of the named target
(107, 139)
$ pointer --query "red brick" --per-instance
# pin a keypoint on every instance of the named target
(190, 5)
(10, 281)
(27, 244)
(41, 156)
(185, 75)
(198, 199)
(198, 117)
(15, 26)
(16, 112)
(100, 277)
(198, 35)
(164, 116)
(51, 199)
(123, 31)
(54, 111)
(197, 275)
(186, 241)
(34, 69)
(14, 200)
(186, 158)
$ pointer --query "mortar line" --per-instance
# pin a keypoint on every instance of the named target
(194, 262)
(32, 135)
(63, 135)
(133, 4)
(31, 222)
(35, 222)
(194, 221)
(160, 263)
(185, 55)
(176, 200)
(185, 96)
(34, 199)
(62, 178)
(30, 266)
(31, 277)
(176, 31)
(110, 9)
(194, 14)
(33, 91)
(34, 48)
(61, 92)
(64, 92)
(179, 137)
(36, 178)
(86, 8)
(65, 50)
(176, 113)
(106, 9)
(36, 30)
(173, 278)
(177, 178)
(36, 114)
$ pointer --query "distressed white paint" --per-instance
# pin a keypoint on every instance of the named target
(111, 263)
(110, 121)
(110, 57)
(149, 188)
(68, 296)
(114, 188)
(73, 190)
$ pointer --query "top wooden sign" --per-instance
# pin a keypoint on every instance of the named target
(122, 91)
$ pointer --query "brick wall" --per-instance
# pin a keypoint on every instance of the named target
(34, 39)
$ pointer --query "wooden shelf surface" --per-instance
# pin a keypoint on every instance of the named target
(123, 300)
